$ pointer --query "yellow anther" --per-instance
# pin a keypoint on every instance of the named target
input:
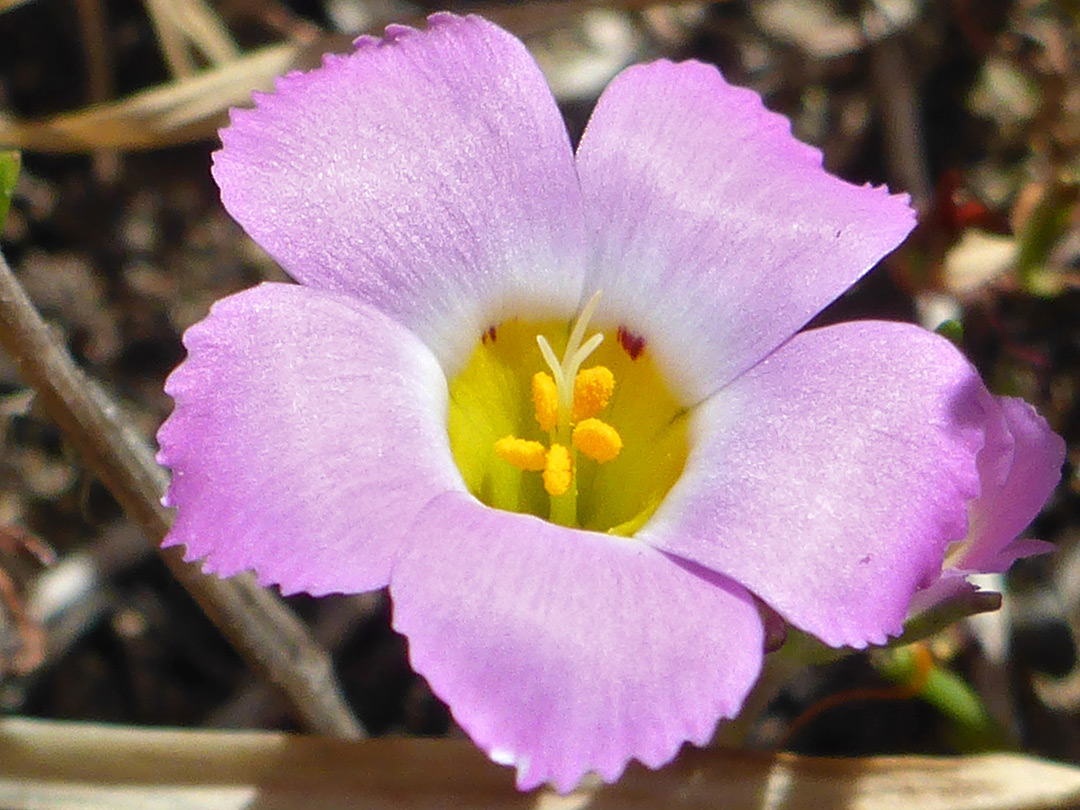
(598, 440)
(559, 470)
(545, 396)
(522, 453)
(592, 392)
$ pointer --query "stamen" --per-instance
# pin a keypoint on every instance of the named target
(593, 388)
(522, 453)
(560, 399)
(559, 471)
(545, 397)
(597, 440)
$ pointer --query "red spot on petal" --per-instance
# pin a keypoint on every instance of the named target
(633, 344)
(489, 336)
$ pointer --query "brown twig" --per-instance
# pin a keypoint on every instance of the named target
(31, 650)
(898, 96)
(270, 638)
(99, 77)
(81, 766)
(171, 40)
(924, 665)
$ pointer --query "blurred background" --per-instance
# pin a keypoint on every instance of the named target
(118, 236)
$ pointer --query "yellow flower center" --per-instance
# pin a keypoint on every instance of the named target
(608, 441)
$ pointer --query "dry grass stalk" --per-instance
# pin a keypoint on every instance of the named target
(82, 766)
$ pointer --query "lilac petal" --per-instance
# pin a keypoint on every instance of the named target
(308, 428)
(830, 478)
(1004, 509)
(1018, 469)
(718, 235)
(429, 173)
(563, 651)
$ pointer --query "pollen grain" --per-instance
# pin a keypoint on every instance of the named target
(559, 470)
(522, 453)
(545, 397)
(592, 392)
(598, 440)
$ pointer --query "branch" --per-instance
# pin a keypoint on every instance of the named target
(262, 629)
(83, 766)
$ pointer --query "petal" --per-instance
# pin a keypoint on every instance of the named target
(718, 235)
(1003, 510)
(307, 430)
(429, 173)
(564, 651)
(830, 478)
(950, 585)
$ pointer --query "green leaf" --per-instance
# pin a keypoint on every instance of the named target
(1046, 226)
(10, 163)
(952, 331)
(974, 729)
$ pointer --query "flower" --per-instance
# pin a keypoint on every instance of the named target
(1019, 467)
(560, 403)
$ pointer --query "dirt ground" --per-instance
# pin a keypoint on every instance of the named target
(117, 234)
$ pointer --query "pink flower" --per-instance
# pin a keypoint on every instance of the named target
(576, 573)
